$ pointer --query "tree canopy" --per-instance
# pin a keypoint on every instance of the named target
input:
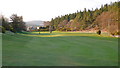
(87, 19)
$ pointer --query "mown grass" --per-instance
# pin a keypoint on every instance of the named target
(58, 33)
(68, 49)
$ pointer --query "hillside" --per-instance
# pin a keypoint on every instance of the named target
(108, 21)
(104, 18)
(34, 23)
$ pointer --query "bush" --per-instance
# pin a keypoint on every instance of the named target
(2, 29)
(12, 30)
(115, 33)
(99, 32)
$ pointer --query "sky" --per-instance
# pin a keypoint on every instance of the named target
(45, 10)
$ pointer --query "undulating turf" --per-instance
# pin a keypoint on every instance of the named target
(68, 49)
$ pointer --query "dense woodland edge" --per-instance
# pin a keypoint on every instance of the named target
(105, 18)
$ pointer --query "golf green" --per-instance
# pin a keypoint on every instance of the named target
(65, 49)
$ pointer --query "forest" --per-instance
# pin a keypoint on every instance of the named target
(105, 18)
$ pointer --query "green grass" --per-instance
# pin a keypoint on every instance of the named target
(0, 49)
(59, 49)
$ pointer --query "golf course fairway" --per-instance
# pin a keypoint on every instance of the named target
(59, 49)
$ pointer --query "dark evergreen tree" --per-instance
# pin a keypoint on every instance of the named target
(17, 23)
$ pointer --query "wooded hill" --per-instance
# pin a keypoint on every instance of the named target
(104, 18)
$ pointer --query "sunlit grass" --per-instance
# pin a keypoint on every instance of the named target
(59, 49)
(60, 33)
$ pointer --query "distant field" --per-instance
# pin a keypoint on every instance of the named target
(59, 49)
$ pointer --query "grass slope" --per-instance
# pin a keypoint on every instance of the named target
(23, 50)
(0, 49)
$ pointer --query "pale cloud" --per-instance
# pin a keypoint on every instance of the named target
(46, 9)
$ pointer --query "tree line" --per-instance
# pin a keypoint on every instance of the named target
(82, 20)
(103, 18)
(16, 24)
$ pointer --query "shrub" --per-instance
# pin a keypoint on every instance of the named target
(2, 29)
(115, 33)
(99, 32)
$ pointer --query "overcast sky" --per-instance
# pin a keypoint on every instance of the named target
(46, 9)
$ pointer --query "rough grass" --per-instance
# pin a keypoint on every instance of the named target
(68, 49)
